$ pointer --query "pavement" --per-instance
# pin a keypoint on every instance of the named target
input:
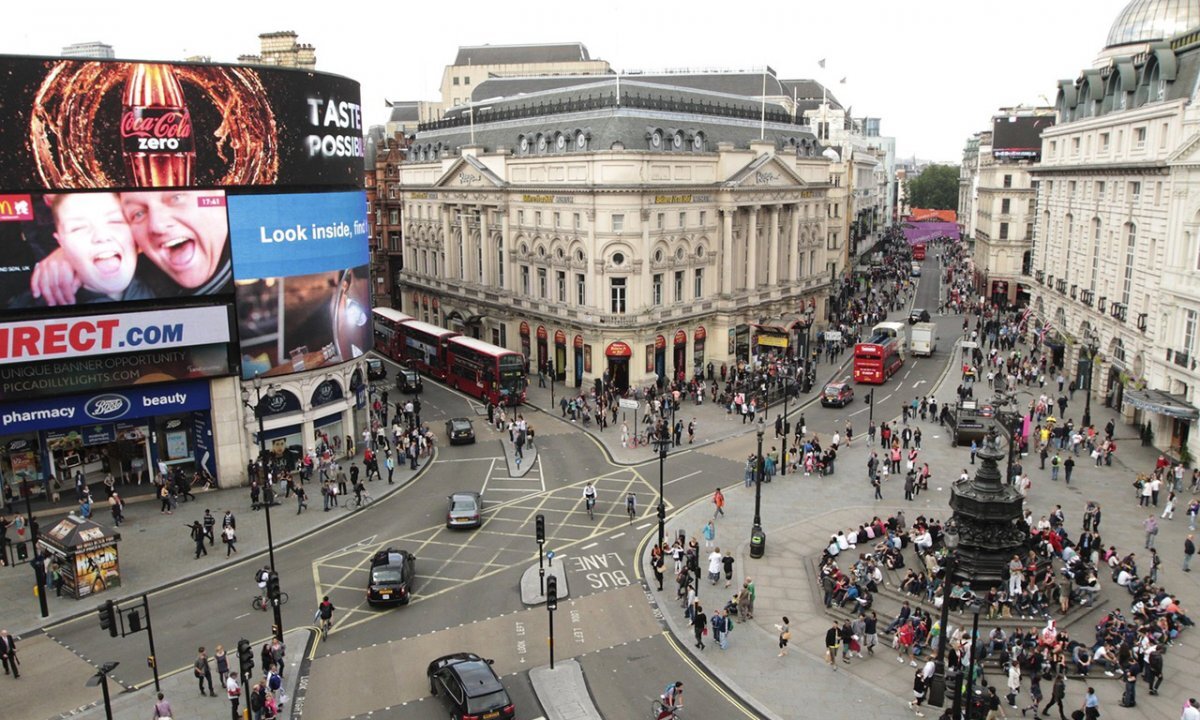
(563, 691)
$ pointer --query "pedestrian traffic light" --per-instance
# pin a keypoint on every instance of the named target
(108, 618)
(273, 586)
(552, 593)
(245, 657)
(150, 661)
(540, 524)
(135, 621)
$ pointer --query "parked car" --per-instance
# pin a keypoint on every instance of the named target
(409, 381)
(918, 315)
(837, 394)
(460, 430)
(391, 577)
(469, 687)
(466, 510)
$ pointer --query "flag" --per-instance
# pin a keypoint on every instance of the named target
(821, 63)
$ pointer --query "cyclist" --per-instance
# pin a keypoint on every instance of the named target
(631, 505)
(672, 700)
(325, 613)
(261, 578)
(589, 496)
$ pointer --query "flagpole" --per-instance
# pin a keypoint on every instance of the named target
(618, 88)
(762, 125)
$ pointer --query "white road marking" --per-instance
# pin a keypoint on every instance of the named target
(643, 526)
(589, 546)
(460, 460)
(685, 477)
(614, 537)
(488, 477)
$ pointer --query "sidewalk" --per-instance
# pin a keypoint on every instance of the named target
(156, 550)
(799, 514)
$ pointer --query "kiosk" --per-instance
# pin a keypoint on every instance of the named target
(86, 553)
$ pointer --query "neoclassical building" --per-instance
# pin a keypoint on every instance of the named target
(640, 227)
(1117, 237)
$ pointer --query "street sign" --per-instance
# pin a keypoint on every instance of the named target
(549, 554)
(627, 403)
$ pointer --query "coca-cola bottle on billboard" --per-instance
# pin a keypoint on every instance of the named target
(156, 128)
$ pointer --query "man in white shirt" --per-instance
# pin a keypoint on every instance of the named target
(1191, 710)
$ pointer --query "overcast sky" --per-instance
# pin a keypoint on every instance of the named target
(933, 70)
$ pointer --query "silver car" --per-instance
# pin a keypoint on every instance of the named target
(466, 510)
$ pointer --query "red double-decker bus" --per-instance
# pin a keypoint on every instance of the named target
(877, 359)
(485, 371)
(388, 333)
(425, 347)
(918, 251)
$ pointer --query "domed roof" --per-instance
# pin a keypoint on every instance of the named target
(1147, 20)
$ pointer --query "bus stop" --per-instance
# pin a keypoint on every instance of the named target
(86, 554)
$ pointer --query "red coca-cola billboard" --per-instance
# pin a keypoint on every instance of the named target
(79, 124)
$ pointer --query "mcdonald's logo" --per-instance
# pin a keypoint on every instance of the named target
(16, 208)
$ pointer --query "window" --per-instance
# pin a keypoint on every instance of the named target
(618, 225)
(467, 80)
(580, 289)
(1003, 231)
(1005, 206)
(455, 81)
(1071, 188)
(1104, 142)
(500, 263)
(1189, 331)
(425, 261)
(678, 286)
(1162, 136)
(520, 217)
(698, 284)
(560, 281)
(1130, 246)
(683, 219)
(537, 218)
(1053, 147)
(1008, 181)
(656, 289)
(616, 289)
(394, 216)
(1075, 146)
(1095, 254)
(576, 220)
(1139, 138)
(479, 261)
(541, 276)
(703, 217)
(1157, 193)
(525, 280)
(1135, 191)
(557, 220)
(662, 220)
(1100, 190)
(436, 255)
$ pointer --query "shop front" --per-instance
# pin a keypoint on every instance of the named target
(679, 356)
(330, 429)
(619, 355)
(543, 354)
(698, 348)
(579, 361)
(656, 361)
(49, 444)
(739, 343)
(524, 333)
(771, 339)
(560, 356)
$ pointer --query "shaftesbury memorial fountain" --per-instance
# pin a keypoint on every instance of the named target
(990, 527)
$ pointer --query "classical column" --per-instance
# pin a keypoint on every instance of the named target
(507, 241)
(646, 292)
(794, 243)
(773, 247)
(463, 263)
(727, 259)
(447, 213)
(752, 249)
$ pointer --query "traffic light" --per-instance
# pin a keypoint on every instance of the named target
(540, 524)
(552, 593)
(135, 621)
(108, 618)
(245, 657)
(273, 586)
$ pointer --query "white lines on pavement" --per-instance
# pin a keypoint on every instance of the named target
(589, 546)
(856, 412)
(487, 478)
(685, 477)
(906, 372)
(614, 537)
(643, 526)
(472, 459)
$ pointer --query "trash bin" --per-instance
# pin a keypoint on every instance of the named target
(758, 542)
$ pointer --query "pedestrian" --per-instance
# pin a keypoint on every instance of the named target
(710, 534)
(870, 631)
(1189, 549)
(222, 662)
(657, 562)
(919, 686)
(1057, 692)
(699, 624)
(719, 628)
(229, 536)
(162, 708)
(833, 642)
(727, 563)
(1091, 705)
(197, 533)
(749, 584)
(1150, 525)
(1168, 512)
(719, 503)
(1035, 694)
(210, 522)
(203, 672)
(233, 691)
(715, 561)
(301, 499)
(1014, 684)
(8, 654)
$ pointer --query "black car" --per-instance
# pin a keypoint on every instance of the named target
(460, 430)
(918, 315)
(376, 370)
(391, 577)
(468, 685)
(409, 381)
(837, 394)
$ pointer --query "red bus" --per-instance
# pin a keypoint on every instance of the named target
(425, 347)
(877, 359)
(388, 336)
(918, 251)
(485, 371)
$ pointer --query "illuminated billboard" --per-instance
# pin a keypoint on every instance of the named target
(80, 248)
(300, 265)
(1019, 137)
(75, 124)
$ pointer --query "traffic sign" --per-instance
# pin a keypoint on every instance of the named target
(627, 403)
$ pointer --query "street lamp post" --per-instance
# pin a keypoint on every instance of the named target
(787, 382)
(758, 538)
(268, 493)
(1093, 347)
(662, 505)
(970, 680)
(937, 684)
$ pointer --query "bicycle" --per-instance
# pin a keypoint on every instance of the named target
(257, 603)
(591, 504)
(366, 500)
(657, 709)
(326, 624)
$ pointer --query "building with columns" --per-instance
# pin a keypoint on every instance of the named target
(639, 227)
(1116, 264)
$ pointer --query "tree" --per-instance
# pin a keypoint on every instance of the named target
(936, 188)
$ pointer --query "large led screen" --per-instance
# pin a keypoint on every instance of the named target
(1019, 137)
(301, 273)
(82, 248)
(72, 124)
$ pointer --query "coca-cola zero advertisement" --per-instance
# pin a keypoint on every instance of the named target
(76, 124)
